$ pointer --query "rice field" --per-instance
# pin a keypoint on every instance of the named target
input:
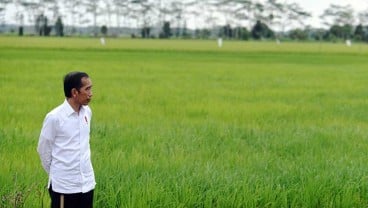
(183, 123)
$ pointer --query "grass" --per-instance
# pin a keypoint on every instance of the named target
(186, 124)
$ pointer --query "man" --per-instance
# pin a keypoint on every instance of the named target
(64, 146)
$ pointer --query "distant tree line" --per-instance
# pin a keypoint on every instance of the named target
(230, 19)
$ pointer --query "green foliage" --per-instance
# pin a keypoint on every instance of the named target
(298, 34)
(239, 33)
(59, 27)
(261, 31)
(166, 30)
(41, 26)
(104, 30)
(145, 32)
(361, 33)
(184, 124)
(226, 32)
(20, 31)
(202, 33)
(242, 33)
(341, 32)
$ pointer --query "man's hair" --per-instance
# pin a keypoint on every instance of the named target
(73, 80)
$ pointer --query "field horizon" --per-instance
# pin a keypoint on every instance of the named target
(183, 123)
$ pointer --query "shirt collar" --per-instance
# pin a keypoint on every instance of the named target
(69, 110)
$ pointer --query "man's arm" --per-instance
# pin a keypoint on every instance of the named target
(45, 142)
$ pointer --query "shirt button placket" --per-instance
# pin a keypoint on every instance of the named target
(80, 150)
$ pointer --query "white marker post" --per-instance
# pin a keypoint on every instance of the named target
(219, 42)
(348, 43)
(102, 40)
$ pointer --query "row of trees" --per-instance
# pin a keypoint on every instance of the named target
(271, 17)
(150, 13)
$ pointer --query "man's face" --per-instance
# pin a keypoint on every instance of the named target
(84, 94)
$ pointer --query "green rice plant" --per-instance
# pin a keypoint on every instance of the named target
(182, 123)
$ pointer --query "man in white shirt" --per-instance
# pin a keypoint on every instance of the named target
(64, 146)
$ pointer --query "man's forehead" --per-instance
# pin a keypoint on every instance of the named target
(86, 81)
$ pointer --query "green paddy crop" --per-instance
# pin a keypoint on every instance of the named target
(183, 123)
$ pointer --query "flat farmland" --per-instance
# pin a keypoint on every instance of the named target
(183, 123)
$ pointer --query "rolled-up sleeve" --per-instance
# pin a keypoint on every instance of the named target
(45, 142)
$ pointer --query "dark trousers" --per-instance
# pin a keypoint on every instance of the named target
(78, 200)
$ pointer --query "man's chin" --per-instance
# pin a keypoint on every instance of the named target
(86, 103)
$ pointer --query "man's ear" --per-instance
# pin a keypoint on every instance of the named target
(74, 92)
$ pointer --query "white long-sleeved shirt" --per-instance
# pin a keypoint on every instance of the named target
(65, 151)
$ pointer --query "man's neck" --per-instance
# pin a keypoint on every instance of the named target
(76, 107)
